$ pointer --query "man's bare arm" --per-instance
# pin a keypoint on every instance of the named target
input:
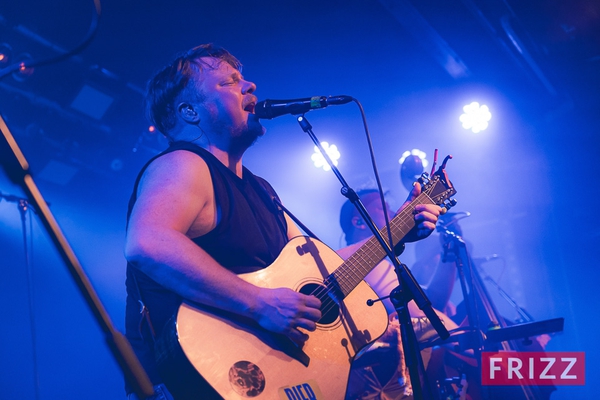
(176, 203)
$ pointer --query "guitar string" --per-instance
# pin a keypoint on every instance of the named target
(366, 257)
(345, 270)
(358, 259)
(322, 292)
(375, 254)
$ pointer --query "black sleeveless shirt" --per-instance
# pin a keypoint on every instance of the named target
(250, 234)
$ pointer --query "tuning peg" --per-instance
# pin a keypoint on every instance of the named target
(448, 204)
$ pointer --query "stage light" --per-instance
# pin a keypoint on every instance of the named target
(475, 117)
(331, 150)
(413, 164)
(5, 55)
(151, 139)
(415, 152)
(24, 72)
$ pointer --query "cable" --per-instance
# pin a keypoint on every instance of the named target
(376, 173)
(25, 209)
(51, 60)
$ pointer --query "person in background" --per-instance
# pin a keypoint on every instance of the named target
(380, 372)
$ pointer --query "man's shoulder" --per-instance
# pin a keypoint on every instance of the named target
(177, 158)
(178, 165)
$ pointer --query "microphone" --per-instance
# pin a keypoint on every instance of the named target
(269, 109)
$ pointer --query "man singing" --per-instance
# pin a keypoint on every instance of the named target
(197, 217)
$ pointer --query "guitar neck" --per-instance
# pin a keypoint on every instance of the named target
(348, 275)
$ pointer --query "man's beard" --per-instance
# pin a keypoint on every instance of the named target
(244, 136)
(246, 139)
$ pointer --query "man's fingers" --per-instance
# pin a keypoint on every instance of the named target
(426, 226)
(307, 324)
(313, 314)
(428, 208)
(312, 302)
(297, 336)
(311, 311)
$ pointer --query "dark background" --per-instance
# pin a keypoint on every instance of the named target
(530, 181)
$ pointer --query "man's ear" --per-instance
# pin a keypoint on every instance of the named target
(188, 114)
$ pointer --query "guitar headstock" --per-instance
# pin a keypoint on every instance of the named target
(438, 187)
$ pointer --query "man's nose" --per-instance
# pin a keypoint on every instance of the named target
(248, 87)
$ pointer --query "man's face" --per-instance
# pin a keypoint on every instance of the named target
(228, 107)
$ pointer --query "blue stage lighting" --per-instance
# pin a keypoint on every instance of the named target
(333, 153)
(475, 117)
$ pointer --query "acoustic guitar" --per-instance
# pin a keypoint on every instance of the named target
(241, 360)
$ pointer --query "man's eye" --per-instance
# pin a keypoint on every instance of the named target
(231, 81)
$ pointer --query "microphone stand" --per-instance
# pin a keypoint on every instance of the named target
(456, 246)
(407, 290)
(23, 207)
(525, 316)
(17, 169)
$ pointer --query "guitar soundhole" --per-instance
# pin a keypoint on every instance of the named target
(329, 308)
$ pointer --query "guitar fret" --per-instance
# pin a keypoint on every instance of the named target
(358, 265)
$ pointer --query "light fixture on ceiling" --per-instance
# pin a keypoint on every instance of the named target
(331, 150)
(23, 72)
(475, 117)
(413, 164)
(5, 55)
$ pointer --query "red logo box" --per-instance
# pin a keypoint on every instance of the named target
(509, 368)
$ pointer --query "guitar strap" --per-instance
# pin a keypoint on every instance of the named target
(270, 198)
(294, 218)
(145, 312)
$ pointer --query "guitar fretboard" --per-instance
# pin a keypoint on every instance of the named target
(348, 275)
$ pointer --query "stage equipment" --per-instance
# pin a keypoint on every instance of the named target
(476, 117)
(408, 289)
(269, 109)
(17, 169)
(411, 169)
(487, 330)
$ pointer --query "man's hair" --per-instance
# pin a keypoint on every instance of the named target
(168, 84)
(348, 210)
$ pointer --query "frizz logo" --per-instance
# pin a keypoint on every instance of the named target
(533, 368)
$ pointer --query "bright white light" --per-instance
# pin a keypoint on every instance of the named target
(476, 117)
(415, 152)
(332, 152)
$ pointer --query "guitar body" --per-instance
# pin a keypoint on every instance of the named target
(221, 354)
(240, 360)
